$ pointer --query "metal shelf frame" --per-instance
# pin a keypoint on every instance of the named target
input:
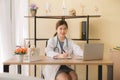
(63, 18)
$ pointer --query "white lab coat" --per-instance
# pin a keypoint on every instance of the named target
(50, 71)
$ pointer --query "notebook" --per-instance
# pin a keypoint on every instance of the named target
(93, 51)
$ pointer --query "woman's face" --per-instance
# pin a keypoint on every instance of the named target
(62, 30)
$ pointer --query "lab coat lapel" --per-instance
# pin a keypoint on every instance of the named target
(58, 44)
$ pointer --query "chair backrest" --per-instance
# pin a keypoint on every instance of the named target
(46, 45)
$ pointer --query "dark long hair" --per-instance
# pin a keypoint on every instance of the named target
(59, 23)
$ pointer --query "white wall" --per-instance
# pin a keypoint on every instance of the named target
(106, 27)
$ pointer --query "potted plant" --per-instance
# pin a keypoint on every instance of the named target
(33, 9)
(20, 52)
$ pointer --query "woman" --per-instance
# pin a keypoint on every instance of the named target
(60, 47)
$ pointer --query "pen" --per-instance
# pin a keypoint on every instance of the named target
(63, 51)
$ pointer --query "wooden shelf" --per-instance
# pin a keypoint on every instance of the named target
(63, 17)
(47, 39)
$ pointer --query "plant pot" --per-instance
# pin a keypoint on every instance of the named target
(20, 58)
(33, 12)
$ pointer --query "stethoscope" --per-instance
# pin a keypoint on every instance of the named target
(56, 49)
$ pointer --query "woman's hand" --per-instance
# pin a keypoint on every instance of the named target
(64, 55)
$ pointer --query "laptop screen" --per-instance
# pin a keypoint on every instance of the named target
(93, 51)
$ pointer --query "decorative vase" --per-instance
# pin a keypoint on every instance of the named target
(33, 12)
(20, 58)
(72, 12)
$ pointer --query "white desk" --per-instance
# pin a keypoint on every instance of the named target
(49, 61)
(115, 56)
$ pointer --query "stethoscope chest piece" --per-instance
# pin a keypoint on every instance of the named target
(56, 49)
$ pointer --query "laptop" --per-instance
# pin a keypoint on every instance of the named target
(93, 51)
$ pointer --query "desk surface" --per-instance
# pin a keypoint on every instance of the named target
(50, 61)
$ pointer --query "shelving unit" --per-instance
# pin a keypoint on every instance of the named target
(69, 17)
(63, 18)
